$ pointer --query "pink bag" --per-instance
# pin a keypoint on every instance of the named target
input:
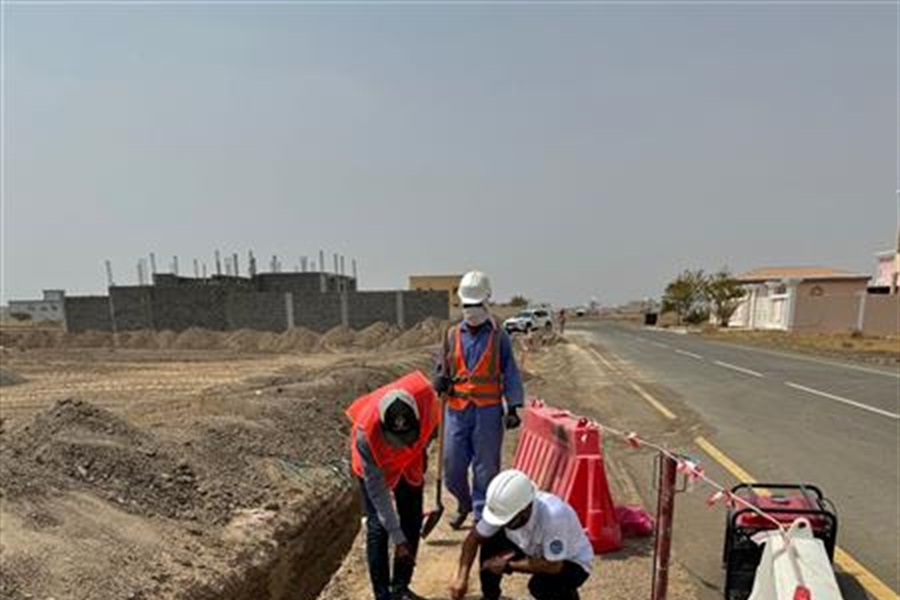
(634, 521)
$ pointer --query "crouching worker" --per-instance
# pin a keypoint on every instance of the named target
(391, 430)
(530, 532)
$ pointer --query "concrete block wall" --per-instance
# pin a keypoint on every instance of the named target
(225, 307)
(133, 307)
(266, 311)
(190, 306)
(317, 311)
(86, 313)
(365, 308)
(419, 305)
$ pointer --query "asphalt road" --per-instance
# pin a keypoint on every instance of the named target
(784, 418)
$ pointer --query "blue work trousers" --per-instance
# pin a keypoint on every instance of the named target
(473, 437)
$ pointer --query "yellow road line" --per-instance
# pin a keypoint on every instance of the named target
(849, 565)
(605, 362)
(659, 406)
(720, 457)
(653, 401)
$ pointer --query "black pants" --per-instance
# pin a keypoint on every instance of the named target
(409, 507)
(562, 586)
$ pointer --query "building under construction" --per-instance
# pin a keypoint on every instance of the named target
(265, 301)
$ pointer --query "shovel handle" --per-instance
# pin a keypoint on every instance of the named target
(440, 453)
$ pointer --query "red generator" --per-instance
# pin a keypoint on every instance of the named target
(783, 501)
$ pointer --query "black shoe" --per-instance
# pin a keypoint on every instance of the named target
(458, 520)
(405, 594)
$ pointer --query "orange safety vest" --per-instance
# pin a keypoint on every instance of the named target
(395, 463)
(482, 385)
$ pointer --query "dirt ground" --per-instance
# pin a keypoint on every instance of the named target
(565, 376)
(879, 350)
(146, 472)
(191, 467)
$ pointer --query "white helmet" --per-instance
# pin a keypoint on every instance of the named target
(508, 494)
(474, 288)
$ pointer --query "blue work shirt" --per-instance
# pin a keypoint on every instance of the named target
(475, 342)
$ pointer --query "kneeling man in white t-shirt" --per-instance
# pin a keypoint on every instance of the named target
(526, 531)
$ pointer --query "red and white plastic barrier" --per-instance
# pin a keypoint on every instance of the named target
(562, 453)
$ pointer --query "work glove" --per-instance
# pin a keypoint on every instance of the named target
(511, 420)
(441, 384)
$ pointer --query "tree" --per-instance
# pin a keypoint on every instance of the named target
(686, 297)
(724, 293)
(518, 300)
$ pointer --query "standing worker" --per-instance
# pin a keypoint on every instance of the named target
(526, 531)
(391, 430)
(562, 321)
(477, 371)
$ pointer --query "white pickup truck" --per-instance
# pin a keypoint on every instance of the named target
(532, 319)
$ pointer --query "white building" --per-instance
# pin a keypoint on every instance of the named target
(50, 308)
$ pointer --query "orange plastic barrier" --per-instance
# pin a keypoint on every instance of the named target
(562, 453)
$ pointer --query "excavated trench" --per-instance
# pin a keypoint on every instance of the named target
(291, 556)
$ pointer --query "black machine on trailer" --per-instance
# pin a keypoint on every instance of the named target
(785, 502)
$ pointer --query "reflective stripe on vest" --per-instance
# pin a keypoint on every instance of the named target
(483, 385)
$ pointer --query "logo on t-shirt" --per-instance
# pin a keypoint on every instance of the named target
(556, 546)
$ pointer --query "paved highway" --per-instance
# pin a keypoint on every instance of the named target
(786, 417)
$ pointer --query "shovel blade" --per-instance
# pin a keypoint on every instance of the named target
(431, 520)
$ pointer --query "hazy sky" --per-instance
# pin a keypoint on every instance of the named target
(569, 151)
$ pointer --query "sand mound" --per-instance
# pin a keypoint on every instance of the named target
(196, 338)
(166, 339)
(75, 444)
(10, 378)
(339, 337)
(246, 340)
(376, 335)
(37, 338)
(143, 338)
(297, 339)
(429, 332)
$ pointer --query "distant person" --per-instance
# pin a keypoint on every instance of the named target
(477, 371)
(562, 321)
(530, 532)
(390, 434)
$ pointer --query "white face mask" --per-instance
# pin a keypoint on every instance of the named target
(475, 315)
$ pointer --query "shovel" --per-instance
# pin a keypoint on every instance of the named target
(433, 516)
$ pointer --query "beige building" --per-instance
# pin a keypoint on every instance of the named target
(448, 283)
(815, 299)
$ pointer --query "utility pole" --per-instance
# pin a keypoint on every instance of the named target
(109, 274)
(196, 268)
(218, 263)
(354, 270)
(665, 509)
(342, 264)
(153, 263)
(335, 263)
(234, 259)
(175, 264)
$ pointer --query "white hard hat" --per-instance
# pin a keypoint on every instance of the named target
(474, 288)
(508, 494)
(399, 416)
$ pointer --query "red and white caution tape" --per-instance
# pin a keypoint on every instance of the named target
(693, 472)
